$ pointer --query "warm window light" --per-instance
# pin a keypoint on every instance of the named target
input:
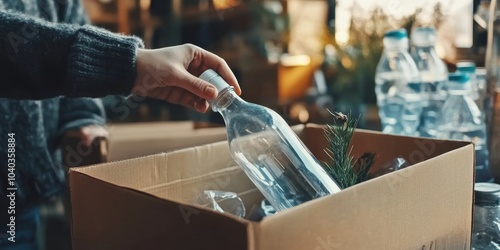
(440, 50)
(342, 37)
(300, 112)
(295, 60)
(145, 4)
(347, 62)
(225, 4)
(457, 22)
(330, 50)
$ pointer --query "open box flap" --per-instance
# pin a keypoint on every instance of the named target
(126, 146)
(163, 168)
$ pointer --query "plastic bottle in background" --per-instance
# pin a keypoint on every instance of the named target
(461, 119)
(485, 101)
(398, 86)
(268, 150)
(486, 228)
(469, 67)
(433, 73)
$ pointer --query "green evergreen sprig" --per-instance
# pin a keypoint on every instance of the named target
(342, 166)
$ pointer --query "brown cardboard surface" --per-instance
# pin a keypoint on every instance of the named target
(120, 218)
(408, 209)
(413, 149)
(132, 128)
(139, 139)
(143, 203)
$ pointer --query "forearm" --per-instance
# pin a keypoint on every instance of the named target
(40, 59)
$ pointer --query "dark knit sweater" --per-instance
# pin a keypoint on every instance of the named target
(47, 50)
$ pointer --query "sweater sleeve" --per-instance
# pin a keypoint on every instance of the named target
(40, 59)
(72, 11)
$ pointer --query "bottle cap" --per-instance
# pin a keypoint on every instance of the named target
(396, 34)
(466, 66)
(212, 77)
(396, 39)
(487, 194)
(425, 29)
(458, 77)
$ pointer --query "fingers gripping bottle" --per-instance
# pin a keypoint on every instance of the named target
(268, 150)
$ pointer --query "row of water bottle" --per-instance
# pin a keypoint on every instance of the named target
(417, 96)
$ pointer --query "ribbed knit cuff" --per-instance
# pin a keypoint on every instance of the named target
(102, 63)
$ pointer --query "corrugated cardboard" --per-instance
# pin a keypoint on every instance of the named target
(147, 203)
(132, 140)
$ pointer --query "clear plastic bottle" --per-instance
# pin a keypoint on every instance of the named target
(486, 229)
(398, 86)
(433, 73)
(268, 150)
(461, 119)
(469, 67)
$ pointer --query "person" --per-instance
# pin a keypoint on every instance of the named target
(40, 59)
(51, 57)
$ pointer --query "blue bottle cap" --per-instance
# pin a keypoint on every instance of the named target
(397, 34)
(458, 77)
(466, 66)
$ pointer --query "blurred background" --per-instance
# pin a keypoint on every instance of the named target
(298, 57)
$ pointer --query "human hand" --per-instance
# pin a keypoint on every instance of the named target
(172, 74)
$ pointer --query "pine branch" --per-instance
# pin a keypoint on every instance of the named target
(342, 167)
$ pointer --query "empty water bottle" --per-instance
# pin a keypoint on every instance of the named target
(222, 201)
(398, 86)
(434, 74)
(486, 229)
(469, 67)
(461, 119)
(268, 150)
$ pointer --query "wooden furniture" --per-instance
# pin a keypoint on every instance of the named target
(124, 16)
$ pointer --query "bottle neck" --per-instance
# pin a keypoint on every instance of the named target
(396, 49)
(226, 100)
(392, 53)
(459, 90)
(427, 48)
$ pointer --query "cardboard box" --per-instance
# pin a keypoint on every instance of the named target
(147, 203)
(132, 140)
